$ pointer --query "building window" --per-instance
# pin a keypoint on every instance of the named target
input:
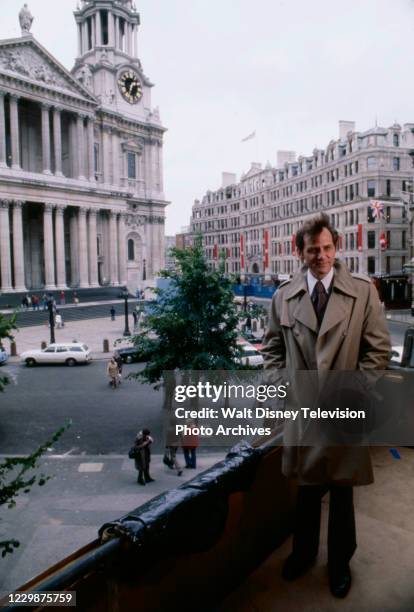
(104, 26)
(371, 239)
(396, 140)
(96, 157)
(395, 164)
(371, 189)
(132, 170)
(131, 250)
(371, 163)
(388, 187)
(371, 265)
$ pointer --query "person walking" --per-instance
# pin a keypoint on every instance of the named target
(170, 459)
(112, 313)
(120, 364)
(58, 320)
(324, 318)
(142, 445)
(62, 298)
(135, 317)
(113, 373)
(189, 445)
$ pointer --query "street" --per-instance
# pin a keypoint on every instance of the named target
(104, 420)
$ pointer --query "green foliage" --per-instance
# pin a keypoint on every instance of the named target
(193, 324)
(16, 476)
(7, 325)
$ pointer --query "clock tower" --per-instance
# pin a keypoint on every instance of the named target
(128, 135)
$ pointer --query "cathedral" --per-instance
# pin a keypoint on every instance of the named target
(81, 178)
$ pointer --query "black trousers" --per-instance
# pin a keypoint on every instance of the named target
(341, 526)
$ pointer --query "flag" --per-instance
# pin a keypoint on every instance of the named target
(359, 237)
(377, 209)
(266, 248)
(215, 251)
(383, 241)
(249, 137)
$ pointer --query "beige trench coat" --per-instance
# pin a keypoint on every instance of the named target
(353, 336)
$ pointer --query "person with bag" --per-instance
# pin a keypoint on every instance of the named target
(141, 453)
(113, 373)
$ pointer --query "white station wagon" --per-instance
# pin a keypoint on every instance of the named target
(69, 353)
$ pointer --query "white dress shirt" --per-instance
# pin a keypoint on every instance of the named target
(326, 280)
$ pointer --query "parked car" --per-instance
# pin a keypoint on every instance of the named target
(251, 338)
(69, 353)
(130, 354)
(3, 357)
(251, 355)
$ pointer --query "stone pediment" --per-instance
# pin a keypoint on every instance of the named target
(27, 59)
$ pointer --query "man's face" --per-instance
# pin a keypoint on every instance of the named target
(319, 253)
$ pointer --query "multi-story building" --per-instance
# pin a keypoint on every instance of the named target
(357, 180)
(81, 179)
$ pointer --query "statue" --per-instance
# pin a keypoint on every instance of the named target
(85, 76)
(26, 20)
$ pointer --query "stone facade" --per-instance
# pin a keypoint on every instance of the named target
(253, 222)
(81, 177)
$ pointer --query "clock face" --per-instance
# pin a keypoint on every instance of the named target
(130, 86)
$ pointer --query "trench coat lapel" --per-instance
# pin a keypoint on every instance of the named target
(302, 308)
(341, 301)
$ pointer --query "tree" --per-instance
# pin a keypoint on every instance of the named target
(192, 325)
(16, 474)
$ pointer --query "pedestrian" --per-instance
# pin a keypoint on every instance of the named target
(29, 301)
(58, 320)
(119, 363)
(189, 443)
(24, 302)
(135, 317)
(44, 301)
(324, 318)
(142, 446)
(113, 373)
(75, 298)
(62, 298)
(112, 312)
(170, 459)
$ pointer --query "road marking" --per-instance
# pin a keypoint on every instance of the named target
(90, 467)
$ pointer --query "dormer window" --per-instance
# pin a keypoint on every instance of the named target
(396, 140)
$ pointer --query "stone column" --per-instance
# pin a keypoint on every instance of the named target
(83, 249)
(93, 32)
(122, 252)
(128, 38)
(116, 27)
(93, 249)
(18, 248)
(111, 30)
(60, 248)
(5, 259)
(81, 147)
(85, 37)
(3, 162)
(57, 140)
(14, 131)
(79, 39)
(98, 29)
(49, 250)
(106, 143)
(74, 244)
(46, 139)
(113, 249)
(115, 159)
(91, 149)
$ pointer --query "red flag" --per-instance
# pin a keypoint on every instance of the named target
(266, 248)
(359, 237)
(242, 251)
(215, 251)
(293, 243)
(383, 241)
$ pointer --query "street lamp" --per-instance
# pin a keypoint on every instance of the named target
(125, 295)
(51, 321)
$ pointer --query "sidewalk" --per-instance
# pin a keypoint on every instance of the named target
(53, 521)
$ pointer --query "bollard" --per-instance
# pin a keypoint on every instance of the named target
(106, 345)
(13, 349)
(43, 345)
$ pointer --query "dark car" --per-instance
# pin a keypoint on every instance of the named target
(130, 354)
(251, 338)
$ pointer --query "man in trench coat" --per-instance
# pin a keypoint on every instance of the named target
(325, 318)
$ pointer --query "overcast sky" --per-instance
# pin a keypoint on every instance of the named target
(287, 69)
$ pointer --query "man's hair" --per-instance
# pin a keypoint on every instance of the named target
(312, 228)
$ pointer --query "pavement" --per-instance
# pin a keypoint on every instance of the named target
(84, 492)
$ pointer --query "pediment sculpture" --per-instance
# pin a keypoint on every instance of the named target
(25, 19)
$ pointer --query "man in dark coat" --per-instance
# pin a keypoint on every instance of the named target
(143, 443)
(325, 318)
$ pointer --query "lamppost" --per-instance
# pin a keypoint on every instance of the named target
(125, 296)
(51, 321)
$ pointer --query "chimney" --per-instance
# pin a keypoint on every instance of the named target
(345, 127)
(285, 157)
